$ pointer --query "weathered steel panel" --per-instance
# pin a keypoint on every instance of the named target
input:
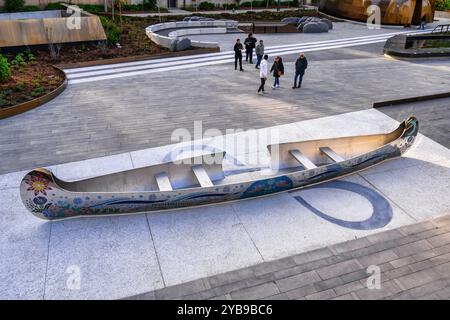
(16, 33)
(395, 12)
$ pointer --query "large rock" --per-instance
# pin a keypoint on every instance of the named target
(183, 44)
(291, 20)
(328, 22)
(305, 20)
(173, 45)
(323, 26)
(302, 19)
(315, 27)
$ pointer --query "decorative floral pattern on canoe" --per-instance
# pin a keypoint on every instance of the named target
(38, 183)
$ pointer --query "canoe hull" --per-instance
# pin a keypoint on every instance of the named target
(43, 197)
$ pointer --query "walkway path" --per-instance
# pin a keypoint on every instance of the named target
(434, 117)
(107, 72)
(414, 263)
(101, 118)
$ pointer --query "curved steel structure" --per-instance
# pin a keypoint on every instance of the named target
(393, 12)
(200, 181)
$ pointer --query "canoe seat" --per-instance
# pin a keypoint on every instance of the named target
(331, 154)
(163, 182)
(304, 161)
(202, 176)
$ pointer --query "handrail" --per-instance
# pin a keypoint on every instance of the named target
(442, 27)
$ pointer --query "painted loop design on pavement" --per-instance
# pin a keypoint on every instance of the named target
(381, 214)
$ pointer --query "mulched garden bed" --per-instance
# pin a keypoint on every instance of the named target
(134, 41)
(28, 81)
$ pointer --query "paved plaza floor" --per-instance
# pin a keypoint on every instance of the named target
(413, 261)
(124, 256)
(125, 122)
(124, 114)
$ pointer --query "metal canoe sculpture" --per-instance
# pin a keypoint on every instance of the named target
(195, 181)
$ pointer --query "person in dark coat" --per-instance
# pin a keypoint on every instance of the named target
(423, 22)
(250, 44)
(238, 47)
(300, 66)
(278, 71)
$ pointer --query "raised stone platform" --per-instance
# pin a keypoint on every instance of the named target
(123, 256)
(184, 28)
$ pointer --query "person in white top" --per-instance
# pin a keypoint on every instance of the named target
(263, 68)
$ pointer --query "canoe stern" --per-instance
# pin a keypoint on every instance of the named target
(410, 131)
(36, 191)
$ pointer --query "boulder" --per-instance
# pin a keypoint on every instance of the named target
(312, 27)
(291, 20)
(302, 19)
(183, 44)
(305, 20)
(323, 26)
(328, 22)
(173, 45)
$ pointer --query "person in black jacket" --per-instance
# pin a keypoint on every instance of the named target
(250, 44)
(278, 71)
(300, 66)
(238, 47)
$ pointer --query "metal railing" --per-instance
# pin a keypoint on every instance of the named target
(442, 28)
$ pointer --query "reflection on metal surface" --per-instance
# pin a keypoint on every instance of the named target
(395, 12)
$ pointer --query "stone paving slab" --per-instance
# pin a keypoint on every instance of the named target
(330, 281)
(128, 255)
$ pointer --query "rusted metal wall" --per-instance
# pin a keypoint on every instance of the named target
(29, 32)
(396, 12)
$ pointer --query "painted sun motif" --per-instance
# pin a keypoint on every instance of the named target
(38, 185)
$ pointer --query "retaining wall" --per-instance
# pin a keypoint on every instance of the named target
(188, 28)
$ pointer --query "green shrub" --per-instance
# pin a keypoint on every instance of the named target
(150, 4)
(113, 32)
(14, 5)
(37, 91)
(5, 71)
(31, 56)
(30, 8)
(18, 60)
(442, 5)
(54, 6)
(230, 6)
(92, 7)
(20, 87)
(205, 5)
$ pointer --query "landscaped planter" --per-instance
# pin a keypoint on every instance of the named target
(31, 104)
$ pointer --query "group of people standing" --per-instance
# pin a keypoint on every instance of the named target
(262, 63)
